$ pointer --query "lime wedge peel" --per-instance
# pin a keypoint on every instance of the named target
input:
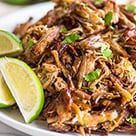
(6, 104)
(10, 45)
(31, 100)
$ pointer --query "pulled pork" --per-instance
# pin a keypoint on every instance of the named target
(84, 53)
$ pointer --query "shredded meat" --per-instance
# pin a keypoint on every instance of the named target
(87, 66)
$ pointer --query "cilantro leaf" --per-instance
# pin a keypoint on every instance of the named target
(30, 43)
(98, 2)
(108, 18)
(93, 75)
(106, 52)
(131, 120)
(131, 8)
(63, 29)
(71, 38)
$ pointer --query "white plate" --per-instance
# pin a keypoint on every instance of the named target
(13, 117)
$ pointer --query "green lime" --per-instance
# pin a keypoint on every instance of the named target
(18, 2)
(10, 45)
(6, 99)
(24, 86)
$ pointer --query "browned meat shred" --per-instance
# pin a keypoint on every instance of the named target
(71, 42)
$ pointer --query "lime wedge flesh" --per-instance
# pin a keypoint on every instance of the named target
(24, 86)
(6, 99)
(10, 45)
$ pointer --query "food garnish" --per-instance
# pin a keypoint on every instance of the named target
(108, 18)
(93, 75)
(24, 86)
(10, 45)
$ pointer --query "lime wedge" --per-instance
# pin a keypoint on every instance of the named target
(18, 2)
(24, 86)
(6, 99)
(9, 44)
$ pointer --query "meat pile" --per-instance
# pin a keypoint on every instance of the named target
(84, 53)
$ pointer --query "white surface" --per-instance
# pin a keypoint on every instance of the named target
(7, 9)
(8, 116)
(8, 131)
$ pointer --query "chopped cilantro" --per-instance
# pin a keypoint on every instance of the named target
(131, 120)
(106, 51)
(71, 38)
(131, 8)
(93, 75)
(98, 2)
(108, 18)
(30, 43)
(63, 29)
